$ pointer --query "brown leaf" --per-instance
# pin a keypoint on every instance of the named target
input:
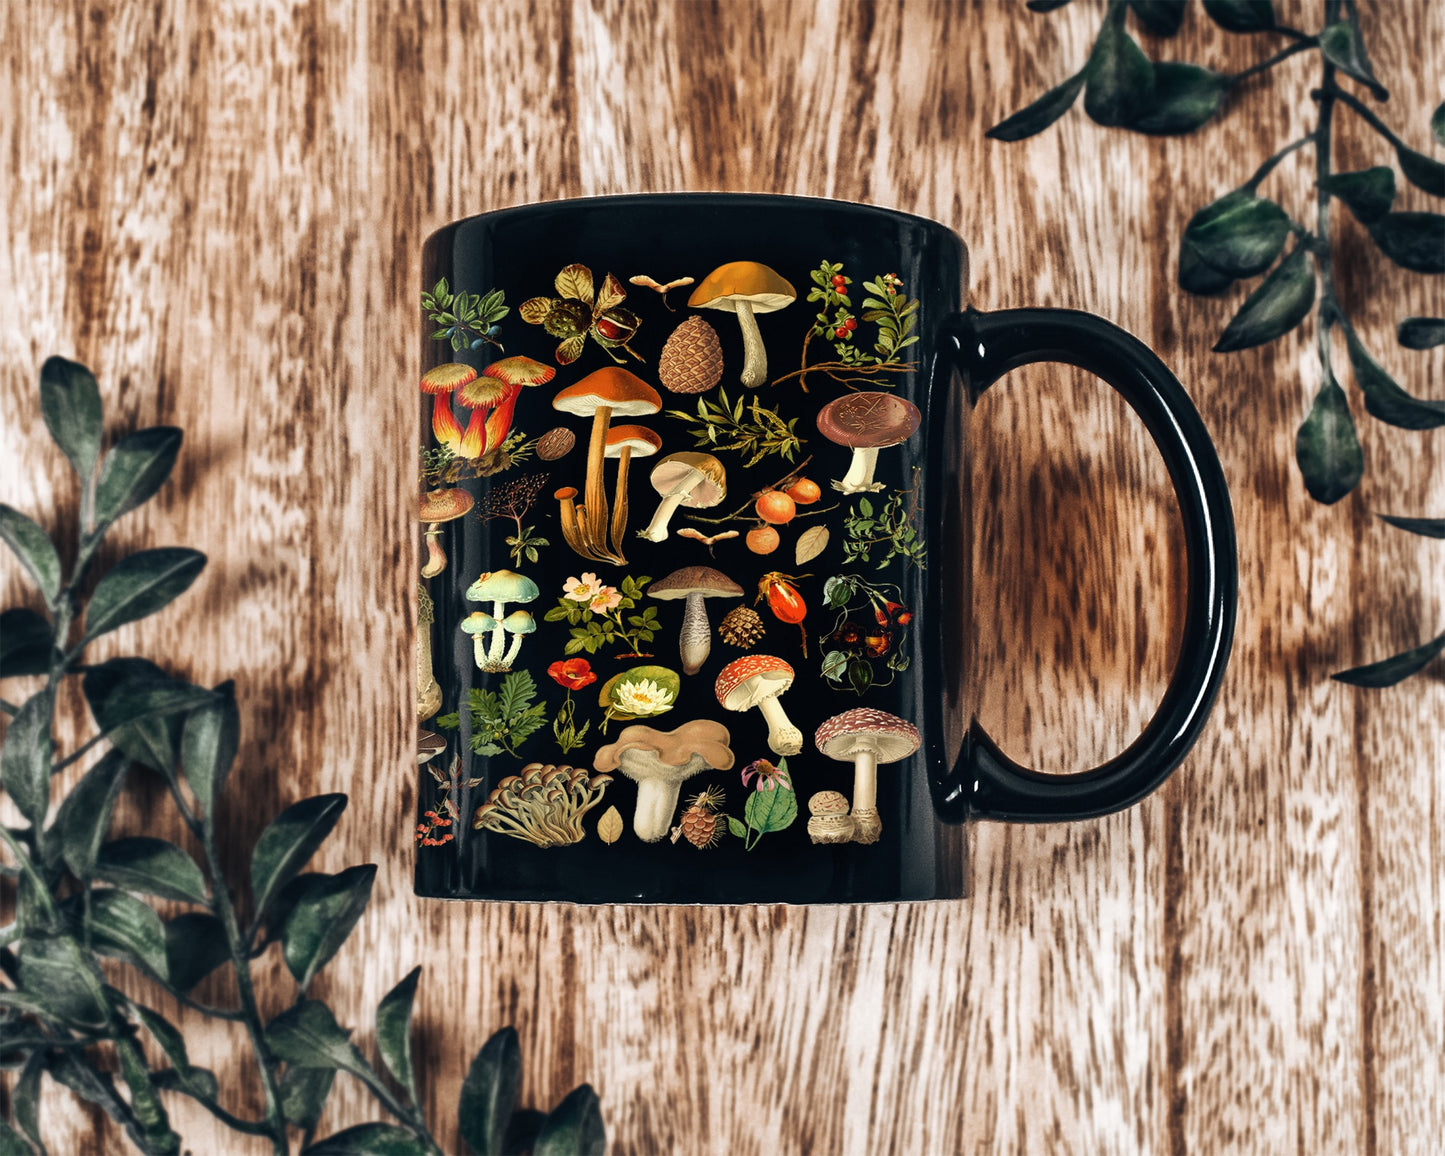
(609, 827)
(575, 282)
(811, 543)
(612, 294)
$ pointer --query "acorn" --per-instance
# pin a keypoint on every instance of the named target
(741, 626)
(692, 360)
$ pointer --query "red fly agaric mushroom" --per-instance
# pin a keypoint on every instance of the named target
(514, 373)
(695, 583)
(659, 761)
(746, 288)
(866, 738)
(756, 680)
(866, 422)
(600, 395)
(686, 479)
(438, 506)
(440, 381)
(625, 442)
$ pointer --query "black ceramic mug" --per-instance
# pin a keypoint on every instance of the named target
(694, 610)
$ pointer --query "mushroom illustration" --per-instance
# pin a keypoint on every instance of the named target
(438, 506)
(695, 583)
(746, 288)
(830, 822)
(659, 761)
(600, 395)
(428, 690)
(514, 373)
(866, 738)
(866, 422)
(440, 381)
(625, 442)
(686, 479)
(756, 680)
(429, 744)
(499, 587)
(544, 805)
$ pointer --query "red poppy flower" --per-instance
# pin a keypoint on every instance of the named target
(573, 673)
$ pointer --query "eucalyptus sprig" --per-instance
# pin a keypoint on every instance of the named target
(1243, 234)
(81, 893)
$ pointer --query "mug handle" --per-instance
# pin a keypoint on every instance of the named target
(986, 783)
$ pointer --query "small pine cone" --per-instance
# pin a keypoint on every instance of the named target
(691, 360)
(742, 627)
(699, 827)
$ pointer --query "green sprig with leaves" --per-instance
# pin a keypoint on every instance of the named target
(1243, 233)
(889, 529)
(465, 320)
(749, 427)
(594, 629)
(893, 313)
(502, 719)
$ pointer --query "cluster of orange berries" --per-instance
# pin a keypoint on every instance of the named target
(424, 831)
(777, 508)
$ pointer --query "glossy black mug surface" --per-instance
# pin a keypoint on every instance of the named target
(695, 589)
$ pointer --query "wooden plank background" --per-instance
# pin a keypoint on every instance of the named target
(220, 206)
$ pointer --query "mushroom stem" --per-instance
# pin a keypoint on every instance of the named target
(499, 640)
(867, 827)
(619, 503)
(436, 557)
(695, 641)
(428, 690)
(755, 357)
(499, 425)
(512, 651)
(479, 651)
(594, 496)
(783, 737)
(656, 801)
(860, 472)
(571, 530)
(657, 529)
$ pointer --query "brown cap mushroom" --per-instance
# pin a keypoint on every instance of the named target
(625, 442)
(438, 506)
(867, 738)
(866, 422)
(685, 479)
(746, 288)
(440, 381)
(659, 761)
(515, 374)
(756, 680)
(695, 583)
(429, 744)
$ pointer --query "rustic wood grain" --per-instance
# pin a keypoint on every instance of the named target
(219, 208)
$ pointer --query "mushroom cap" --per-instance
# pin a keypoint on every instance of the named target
(502, 586)
(676, 470)
(483, 393)
(478, 622)
(565, 493)
(444, 505)
(520, 371)
(519, 622)
(889, 737)
(445, 378)
(638, 438)
(675, 749)
(429, 744)
(828, 803)
(868, 420)
(626, 394)
(747, 281)
(702, 580)
(747, 681)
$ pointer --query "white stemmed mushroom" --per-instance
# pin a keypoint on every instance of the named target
(866, 422)
(695, 583)
(499, 587)
(518, 624)
(686, 479)
(756, 680)
(746, 288)
(830, 822)
(438, 506)
(480, 625)
(866, 738)
(659, 761)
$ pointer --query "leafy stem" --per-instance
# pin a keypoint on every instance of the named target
(1270, 165)
(1300, 45)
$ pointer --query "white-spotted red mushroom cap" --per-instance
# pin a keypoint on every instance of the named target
(887, 736)
(624, 393)
(642, 441)
(747, 681)
(868, 420)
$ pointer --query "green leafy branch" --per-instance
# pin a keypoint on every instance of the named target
(594, 629)
(893, 313)
(891, 528)
(465, 320)
(503, 719)
(751, 428)
(1243, 234)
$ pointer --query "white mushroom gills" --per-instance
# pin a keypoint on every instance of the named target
(755, 356)
(783, 737)
(656, 530)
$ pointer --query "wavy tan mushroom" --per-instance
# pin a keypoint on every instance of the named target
(625, 442)
(659, 761)
(756, 680)
(866, 422)
(867, 738)
(690, 479)
(746, 288)
(694, 583)
(437, 507)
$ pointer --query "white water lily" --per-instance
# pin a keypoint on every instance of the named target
(642, 698)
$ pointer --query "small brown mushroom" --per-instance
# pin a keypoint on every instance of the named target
(866, 422)
(695, 583)
(437, 507)
(746, 288)
(625, 442)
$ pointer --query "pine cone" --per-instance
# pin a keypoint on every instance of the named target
(700, 825)
(692, 360)
(742, 627)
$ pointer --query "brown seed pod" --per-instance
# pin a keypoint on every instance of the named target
(557, 442)
(742, 627)
(692, 360)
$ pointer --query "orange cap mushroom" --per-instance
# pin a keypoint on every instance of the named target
(746, 288)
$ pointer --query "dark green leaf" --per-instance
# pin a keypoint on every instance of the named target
(1428, 527)
(288, 842)
(1437, 122)
(70, 401)
(1277, 306)
(1195, 276)
(34, 549)
(369, 1140)
(1238, 235)
(1160, 17)
(303, 1094)
(322, 918)
(1044, 5)
(195, 946)
(1328, 452)
(25, 758)
(84, 814)
(1384, 399)
(1415, 241)
(145, 1103)
(1368, 193)
(123, 926)
(141, 708)
(140, 585)
(1119, 76)
(1343, 47)
(574, 1127)
(1038, 116)
(165, 1034)
(1241, 15)
(1412, 333)
(393, 1031)
(208, 746)
(11, 1144)
(307, 1035)
(771, 810)
(198, 1082)
(1395, 669)
(53, 970)
(1421, 171)
(522, 1131)
(25, 1100)
(136, 467)
(1185, 96)
(140, 863)
(26, 643)
(489, 1093)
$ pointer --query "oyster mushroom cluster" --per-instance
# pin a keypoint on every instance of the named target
(543, 805)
